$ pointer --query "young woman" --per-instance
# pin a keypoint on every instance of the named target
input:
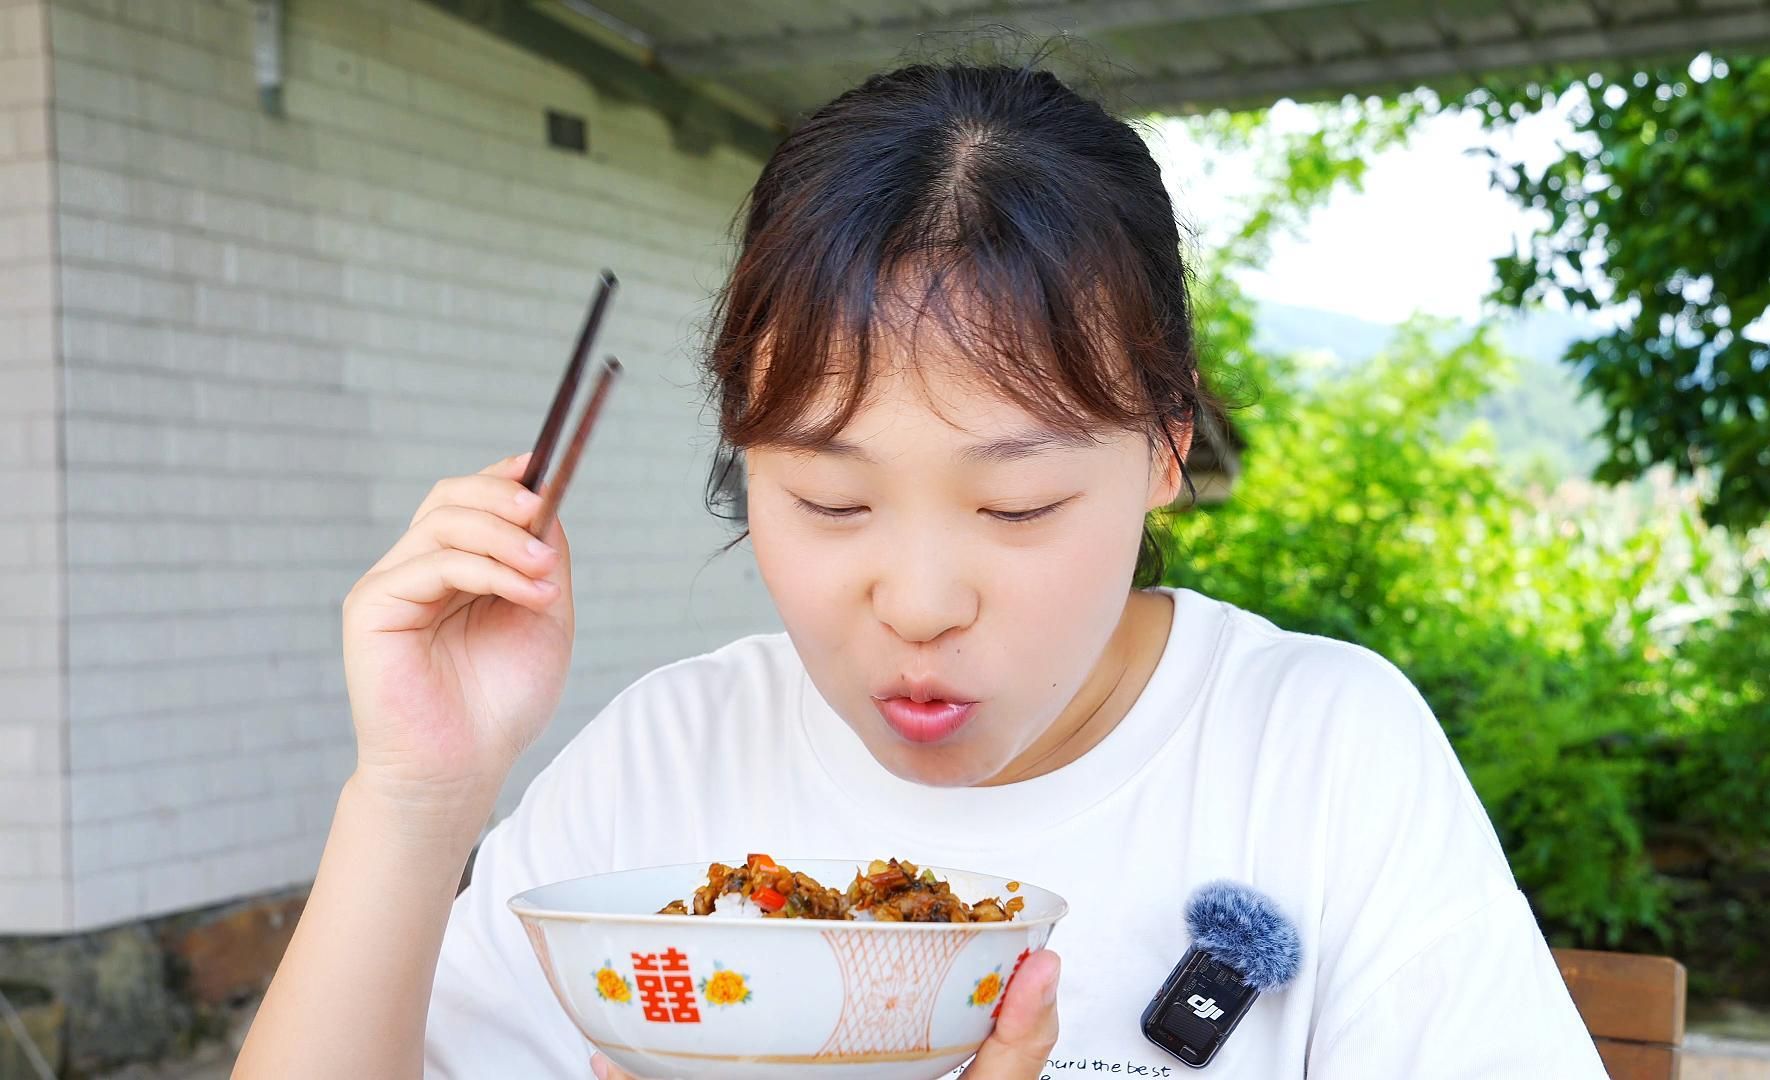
(955, 352)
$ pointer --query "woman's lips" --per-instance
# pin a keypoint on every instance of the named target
(924, 721)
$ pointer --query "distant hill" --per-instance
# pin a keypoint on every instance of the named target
(1540, 417)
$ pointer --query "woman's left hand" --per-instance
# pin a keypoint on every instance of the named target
(1018, 1048)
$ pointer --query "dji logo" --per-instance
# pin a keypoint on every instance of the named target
(1204, 1008)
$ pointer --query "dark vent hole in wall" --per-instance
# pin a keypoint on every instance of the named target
(567, 132)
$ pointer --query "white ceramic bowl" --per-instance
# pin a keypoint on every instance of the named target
(704, 997)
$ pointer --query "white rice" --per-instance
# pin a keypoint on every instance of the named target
(734, 906)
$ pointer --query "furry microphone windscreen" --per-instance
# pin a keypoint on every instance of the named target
(1241, 927)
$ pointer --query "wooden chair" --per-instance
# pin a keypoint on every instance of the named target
(1633, 1006)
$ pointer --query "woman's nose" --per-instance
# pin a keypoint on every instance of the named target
(921, 595)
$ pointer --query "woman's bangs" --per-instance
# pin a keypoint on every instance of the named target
(1050, 344)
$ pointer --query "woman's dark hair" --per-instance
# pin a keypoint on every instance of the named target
(1032, 225)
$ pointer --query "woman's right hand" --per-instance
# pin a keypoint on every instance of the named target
(456, 646)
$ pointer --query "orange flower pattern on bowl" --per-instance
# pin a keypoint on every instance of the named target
(987, 990)
(725, 987)
(611, 985)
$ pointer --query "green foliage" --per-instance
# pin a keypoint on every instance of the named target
(1360, 517)
(1600, 658)
(1662, 204)
(1718, 781)
(1710, 791)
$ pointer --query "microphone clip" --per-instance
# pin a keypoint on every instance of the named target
(1198, 1006)
(1242, 945)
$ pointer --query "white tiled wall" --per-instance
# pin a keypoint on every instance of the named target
(276, 334)
(33, 787)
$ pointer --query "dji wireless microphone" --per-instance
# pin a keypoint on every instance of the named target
(1242, 946)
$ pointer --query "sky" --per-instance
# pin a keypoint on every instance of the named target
(1420, 237)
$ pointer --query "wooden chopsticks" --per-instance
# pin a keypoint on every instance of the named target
(552, 490)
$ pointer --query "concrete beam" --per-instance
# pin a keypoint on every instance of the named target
(887, 39)
(1420, 67)
(698, 120)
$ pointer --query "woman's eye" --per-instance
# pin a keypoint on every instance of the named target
(820, 510)
(1019, 516)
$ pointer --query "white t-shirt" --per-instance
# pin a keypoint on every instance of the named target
(1307, 768)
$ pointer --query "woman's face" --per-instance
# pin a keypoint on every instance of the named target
(949, 569)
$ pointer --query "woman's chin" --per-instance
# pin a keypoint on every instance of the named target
(938, 766)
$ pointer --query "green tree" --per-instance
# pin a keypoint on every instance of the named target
(1661, 205)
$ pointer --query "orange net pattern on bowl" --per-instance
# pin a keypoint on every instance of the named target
(889, 983)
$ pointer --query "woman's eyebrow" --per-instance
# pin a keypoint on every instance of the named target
(1016, 447)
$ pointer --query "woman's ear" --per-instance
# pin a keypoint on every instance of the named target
(1166, 478)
